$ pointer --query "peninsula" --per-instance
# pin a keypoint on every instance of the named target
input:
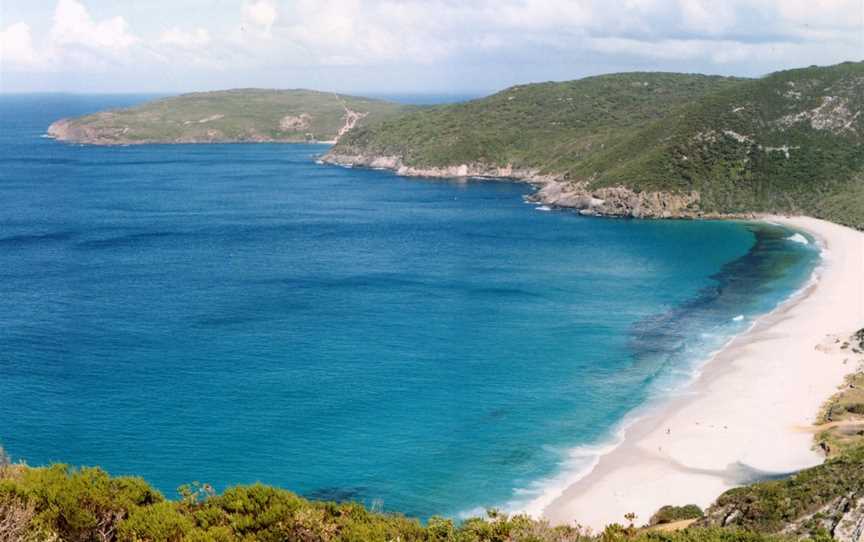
(229, 116)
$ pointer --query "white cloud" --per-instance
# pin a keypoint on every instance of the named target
(73, 25)
(514, 39)
(830, 13)
(16, 47)
(261, 14)
(707, 16)
(176, 37)
(664, 49)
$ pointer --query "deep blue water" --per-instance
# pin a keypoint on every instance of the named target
(236, 313)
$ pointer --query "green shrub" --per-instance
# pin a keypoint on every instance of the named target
(669, 514)
(156, 523)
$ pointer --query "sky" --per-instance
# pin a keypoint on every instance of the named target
(405, 46)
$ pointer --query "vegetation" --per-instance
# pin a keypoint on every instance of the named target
(231, 115)
(671, 514)
(811, 502)
(789, 142)
(842, 419)
(552, 126)
(83, 505)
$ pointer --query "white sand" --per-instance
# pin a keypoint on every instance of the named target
(748, 410)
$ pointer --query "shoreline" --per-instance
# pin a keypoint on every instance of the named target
(550, 189)
(692, 447)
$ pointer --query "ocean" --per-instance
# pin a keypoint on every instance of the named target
(238, 313)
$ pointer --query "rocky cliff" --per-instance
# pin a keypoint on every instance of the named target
(652, 145)
(552, 190)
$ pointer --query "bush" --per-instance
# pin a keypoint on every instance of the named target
(159, 522)
(670, 514)
(84, 505)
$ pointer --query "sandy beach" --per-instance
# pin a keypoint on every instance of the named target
(749, 412)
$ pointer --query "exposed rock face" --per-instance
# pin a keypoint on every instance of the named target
(552, 190)
(290, 123)
(850, 527)
(618, 200)
(825, 499)
(842, 517)
(65, 130)
(351, 119)
(205, 120)
(834, 114)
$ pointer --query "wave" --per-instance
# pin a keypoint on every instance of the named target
(675, 382)
(577, 463)
(798, 238)
(544, 208)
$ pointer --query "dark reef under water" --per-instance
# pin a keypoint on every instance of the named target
(237, 313)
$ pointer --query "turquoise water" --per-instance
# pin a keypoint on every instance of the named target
(237, 313)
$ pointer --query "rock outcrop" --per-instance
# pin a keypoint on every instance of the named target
(293, 123)
(842, 518)
(67, 130)
(552, 190)
(826, 499)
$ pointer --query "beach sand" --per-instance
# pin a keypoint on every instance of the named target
(747, 413)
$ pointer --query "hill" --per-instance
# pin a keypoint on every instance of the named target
(653, 145)
(243, 115)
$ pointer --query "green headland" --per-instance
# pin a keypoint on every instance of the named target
(242, 115)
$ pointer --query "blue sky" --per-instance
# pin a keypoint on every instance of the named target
(405, 46)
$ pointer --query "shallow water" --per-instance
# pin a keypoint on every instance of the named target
(236, 313)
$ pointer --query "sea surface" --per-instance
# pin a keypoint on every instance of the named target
(239, 313)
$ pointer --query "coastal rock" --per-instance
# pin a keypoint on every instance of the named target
(850, 528)
(294, 123)
(552, 190)
(828, 498)
(843, 518)
(66, 130)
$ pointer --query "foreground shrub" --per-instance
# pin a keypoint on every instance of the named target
(58, 503)
(670, 514)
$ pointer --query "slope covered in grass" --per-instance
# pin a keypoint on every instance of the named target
(227, 116)
(551, 126)
(792, 141)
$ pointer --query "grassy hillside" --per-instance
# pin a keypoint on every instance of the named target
(789, 142)
(545, 125)
(230, 115)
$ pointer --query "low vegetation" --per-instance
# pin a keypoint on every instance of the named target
(671, 514)
(82, 505)
(842, 420)
(824, 501)
(253, 115)
(790, 142)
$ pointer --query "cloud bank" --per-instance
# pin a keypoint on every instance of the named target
(420, 44)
